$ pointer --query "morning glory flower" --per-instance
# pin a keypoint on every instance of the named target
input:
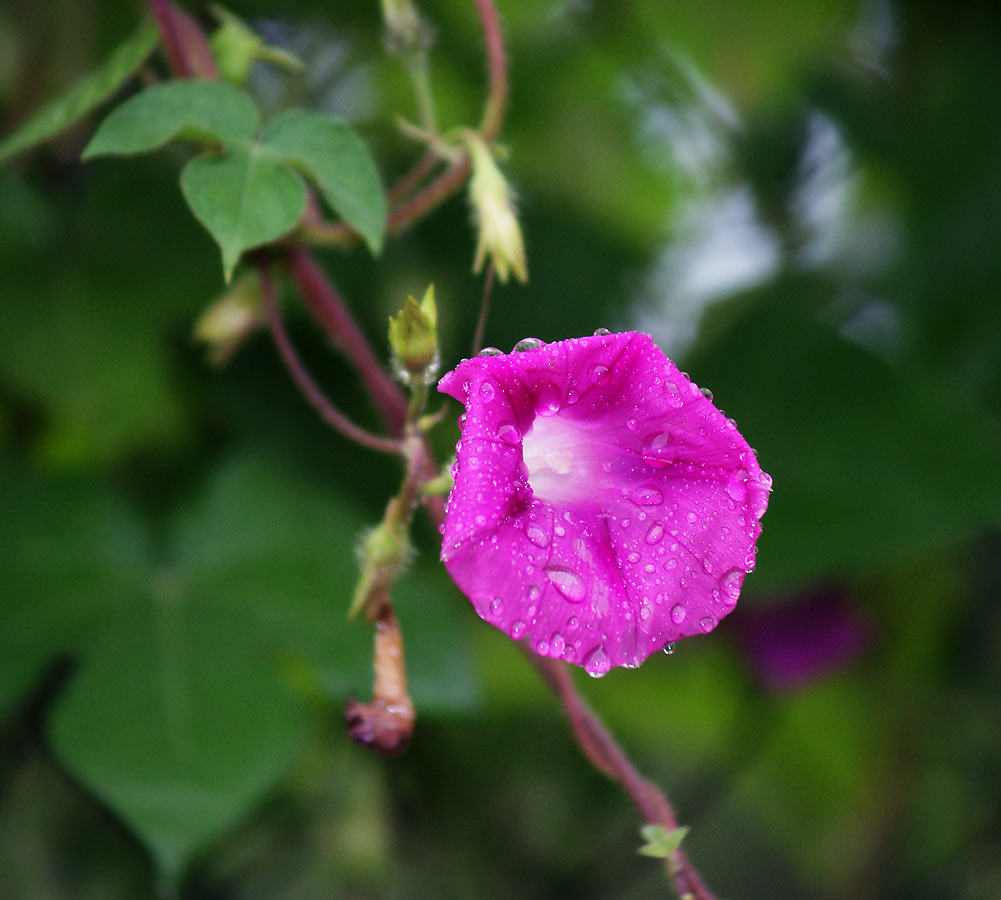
(603, 507)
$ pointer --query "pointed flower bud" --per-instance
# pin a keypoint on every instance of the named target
(405, 32)
(603, 506)
(227, 323)
(413, 337)
(493, 209)
(236, 47)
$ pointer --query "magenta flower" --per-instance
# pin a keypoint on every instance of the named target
(603, 507)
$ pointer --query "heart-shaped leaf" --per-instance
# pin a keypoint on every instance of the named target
(205, 111)
(326, 150)
(244, 198)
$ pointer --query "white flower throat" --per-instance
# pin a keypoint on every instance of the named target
(556, 454)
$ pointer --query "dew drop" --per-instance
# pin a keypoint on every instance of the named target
(647, 496)
(736, 485)
(707, 624)
(633, 557)
(669, 648)
(601, 332)
(518, 630)
(649, 568)
(542, 648)
(598, 374)
(678, 614)
(496, 608)
(533, 593)
(509, 433)
(560, 531)
(528, 343)
(537, 535)
(548, 399)
(596, 664)
(632, 424)
(487, 391)
(692, 518)
(655, 533)
(557, 645)
(490, 351)
(659, 450)
(567, 582)
(572, 622)
(708, 394)
(730, 582)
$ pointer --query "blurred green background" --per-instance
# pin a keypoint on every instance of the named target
(801, 202)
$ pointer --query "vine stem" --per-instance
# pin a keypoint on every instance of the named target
(328, 412)
(332, 313)
(409, 210)
(601, 748)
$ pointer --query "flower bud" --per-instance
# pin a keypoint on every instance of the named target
(236, 48)
(231, 319)
(413, 337)
(493, 208)
(405, 32)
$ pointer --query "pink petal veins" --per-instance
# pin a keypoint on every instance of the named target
(603, 507)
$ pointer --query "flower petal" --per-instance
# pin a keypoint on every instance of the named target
(602, 506)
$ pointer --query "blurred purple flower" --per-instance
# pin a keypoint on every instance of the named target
(792, 643)
(602, 506)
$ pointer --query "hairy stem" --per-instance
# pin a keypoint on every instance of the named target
(328, 412)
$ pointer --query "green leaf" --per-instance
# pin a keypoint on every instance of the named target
(178, 721)
(244, 198)
(659, 842)
(326, 150)
(86, 94)
(205, 111)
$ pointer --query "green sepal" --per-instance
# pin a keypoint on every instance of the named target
(660, 842)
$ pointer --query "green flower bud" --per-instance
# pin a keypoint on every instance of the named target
(236, 47)
(493, 209)
(413, 337)
(229, 320)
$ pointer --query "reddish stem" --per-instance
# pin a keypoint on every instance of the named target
(601, 748)
(331, 312)
(328, 412)
(493, 39)
(188, 52)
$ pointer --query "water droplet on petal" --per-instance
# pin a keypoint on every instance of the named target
(487, 391)
(647, 496)
(537, 535)
(678, 614)
(567, 582)
(509, 433)
(633, 557)
(496, 608)
(557, 645)
(655, 533)
(518, 630)
(736, 485)
(730, 582)
(490, 351)
(659, 450)
(601, 332)
(533, 592)
(528, 343)
(708, 394)
(598, 374)
(548, 399)
(669, 648)
(542, 648)
(707, 624)
(596, 664)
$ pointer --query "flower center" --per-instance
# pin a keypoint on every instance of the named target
(558, 455)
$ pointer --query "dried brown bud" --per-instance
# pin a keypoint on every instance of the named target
(385, 724)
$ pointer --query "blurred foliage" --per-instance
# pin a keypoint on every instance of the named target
(802, 203)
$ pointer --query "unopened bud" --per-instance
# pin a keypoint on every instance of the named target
(413, 337)
(405, 32)
(493, 208)
(385, 550)
(229, 320)
(236, 47)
